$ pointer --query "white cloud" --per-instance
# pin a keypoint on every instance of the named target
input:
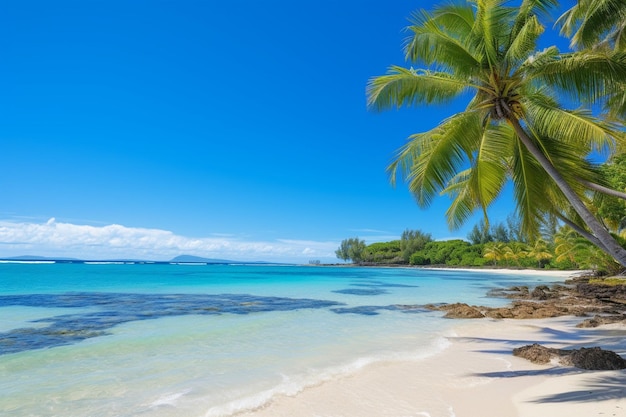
(59, 239)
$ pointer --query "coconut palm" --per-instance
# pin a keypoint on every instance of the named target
(568, 245)
(513, 127)
(495, 252)
(515, 252)
(540, 252)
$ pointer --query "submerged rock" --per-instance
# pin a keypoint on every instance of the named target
(361, 291)
(111, 309)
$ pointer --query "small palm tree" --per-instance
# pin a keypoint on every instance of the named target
(513, 127)
(568, 245)
(540, 252)
(494, 252)
(515, 252)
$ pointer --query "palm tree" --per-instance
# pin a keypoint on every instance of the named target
(568, 245)
(513, 127)
(540, 252)
(515, 252)
(495, 252)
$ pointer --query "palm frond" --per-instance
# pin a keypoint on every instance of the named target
(463, 202)
(524, 41)
(589, 75)
(430, 159)
(591, 22)
(529, 190)
(491, 162)
(616, 103)
(455, 18)
(482, 183)
(537, 7)
(441, 39)
(401, 86)
(580, 127)
(492, 28)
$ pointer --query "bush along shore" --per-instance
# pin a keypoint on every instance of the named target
(596, 302)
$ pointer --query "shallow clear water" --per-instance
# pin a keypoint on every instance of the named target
(209, 340)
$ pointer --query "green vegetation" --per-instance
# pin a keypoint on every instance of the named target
(608, 281)
(351, 249)
(565, 249)
(517, 126)
(449, 252)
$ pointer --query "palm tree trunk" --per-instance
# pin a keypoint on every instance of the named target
(585, 234)
(604, 190)
(608, 244)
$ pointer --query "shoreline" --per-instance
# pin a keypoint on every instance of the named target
(557, 273)
(560, 273)
(476, 375)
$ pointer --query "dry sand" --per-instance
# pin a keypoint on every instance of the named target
(475, 376)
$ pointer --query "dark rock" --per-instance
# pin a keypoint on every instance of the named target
(601, 320)
(616, 293)
(461, 311)
(527, 310)
(520, 292)
(539, 293)
(596, 358)
(537, 354)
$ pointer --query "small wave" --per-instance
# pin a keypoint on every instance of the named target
(169, 399)
(292, 386)
(103, 263)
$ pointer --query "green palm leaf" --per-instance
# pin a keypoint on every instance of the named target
(403, 86)
(430, 159)
(549, 119)
(591, 22)
(591, 75)
(441, 39)
(480, 185)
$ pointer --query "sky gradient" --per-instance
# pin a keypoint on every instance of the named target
(222, 129)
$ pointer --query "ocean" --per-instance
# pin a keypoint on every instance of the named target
(198, 340)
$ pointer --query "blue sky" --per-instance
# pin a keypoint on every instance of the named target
(230, 129)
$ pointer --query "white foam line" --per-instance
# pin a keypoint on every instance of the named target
(290, 387)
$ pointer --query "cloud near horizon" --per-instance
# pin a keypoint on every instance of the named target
(59, 239)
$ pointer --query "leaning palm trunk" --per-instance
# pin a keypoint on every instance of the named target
(604, 241)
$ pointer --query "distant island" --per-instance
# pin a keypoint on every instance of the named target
(198, 259)
(175, 260)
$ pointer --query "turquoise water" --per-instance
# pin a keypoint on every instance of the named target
(209, 340)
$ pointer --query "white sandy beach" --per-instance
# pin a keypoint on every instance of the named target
(476, 376)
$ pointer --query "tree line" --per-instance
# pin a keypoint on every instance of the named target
(565, 249)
